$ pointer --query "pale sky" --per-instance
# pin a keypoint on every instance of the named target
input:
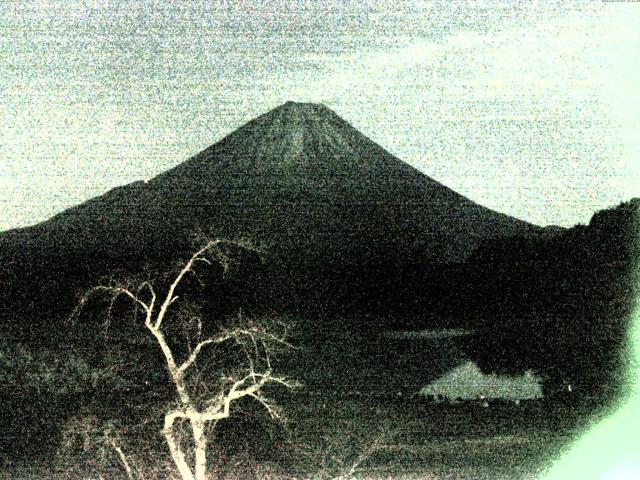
(530, 108)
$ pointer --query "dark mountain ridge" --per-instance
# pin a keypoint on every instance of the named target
(327, 204)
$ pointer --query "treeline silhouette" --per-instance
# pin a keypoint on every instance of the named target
(560, 306)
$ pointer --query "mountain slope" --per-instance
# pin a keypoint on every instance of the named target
(327, 203)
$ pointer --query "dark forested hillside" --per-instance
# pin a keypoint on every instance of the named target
(558, 305)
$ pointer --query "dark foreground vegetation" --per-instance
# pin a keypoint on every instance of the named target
(355, 417)
(326, 436)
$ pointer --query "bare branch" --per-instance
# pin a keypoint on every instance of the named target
(374, 447)
(186, 269)
(237, 390)
(266, 335)
(115, 291)
(194, 353)
(271, 409)
(287, 382)
(122, 457)
(176, 452)
(149, 287)
(202, 259)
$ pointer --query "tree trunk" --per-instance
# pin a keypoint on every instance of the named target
(176, 451)
(200, 447)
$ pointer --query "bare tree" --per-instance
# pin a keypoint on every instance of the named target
(254, 341)
(336, 465)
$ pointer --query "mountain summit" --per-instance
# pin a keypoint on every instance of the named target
(334, 211)
(301, 138)
(300, 172)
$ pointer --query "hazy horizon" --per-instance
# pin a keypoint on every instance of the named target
(529, 109)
